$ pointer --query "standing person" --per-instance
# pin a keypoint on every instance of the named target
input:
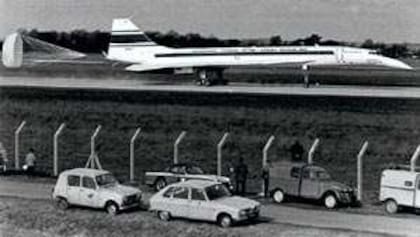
(30, 161)
(241, 175)
(3, 158)
(297, 151)
(266, 178)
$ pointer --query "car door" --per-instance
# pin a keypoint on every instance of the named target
(73, 189)
(88, 193)
(309, 187)
(200, 207)
(417, 193)
(179, 202)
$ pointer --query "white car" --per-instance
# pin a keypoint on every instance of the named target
(94, 188)
(203, 200)
(399, 188)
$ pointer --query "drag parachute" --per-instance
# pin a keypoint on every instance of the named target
(19, 49)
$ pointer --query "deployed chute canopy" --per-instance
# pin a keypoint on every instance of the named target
(20, 49)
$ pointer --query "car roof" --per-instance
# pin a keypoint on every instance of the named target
(195, 183)
(85, 171)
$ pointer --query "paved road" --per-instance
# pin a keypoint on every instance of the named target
(278, 213)
(234, 88)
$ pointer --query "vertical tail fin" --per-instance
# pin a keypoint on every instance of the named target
(124, 32)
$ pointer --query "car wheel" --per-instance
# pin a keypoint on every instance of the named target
(61, 203)
(278, 196)
(330, 201)
(112, 208)
(224, 220)
(391, 206)
(160, 184)
(164, 215)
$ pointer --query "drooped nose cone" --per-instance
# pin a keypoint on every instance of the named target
(393, 63)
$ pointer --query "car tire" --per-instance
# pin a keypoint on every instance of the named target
(391, 206)
(330, 201)
(112, 208)
(164, 215)
(278, 196)
(61, 203)
(224, 220)
(160, 184)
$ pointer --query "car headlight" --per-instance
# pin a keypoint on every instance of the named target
(242, 212)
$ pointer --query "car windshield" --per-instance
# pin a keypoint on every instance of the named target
(106, 179)
(194, 170)
(217, 191)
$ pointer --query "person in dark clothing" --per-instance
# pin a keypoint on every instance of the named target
(266, 179)
(297, 151)
(241, 172)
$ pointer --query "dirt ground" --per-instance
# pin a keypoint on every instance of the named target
(22, 217)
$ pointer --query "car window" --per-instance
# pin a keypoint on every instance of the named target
(306, 174)
(176, 170)
(181, 193)
(73, 180)
(168, 193)
(194, 170)
(295, 172)
(87, 182)
(197, 194)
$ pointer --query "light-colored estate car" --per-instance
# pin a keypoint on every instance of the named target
(94, 188)
(182, 172)
(307, 181)
(203, 200)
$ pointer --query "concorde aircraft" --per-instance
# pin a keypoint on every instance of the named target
(132, 46)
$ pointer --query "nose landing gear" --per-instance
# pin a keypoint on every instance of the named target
(209, 77)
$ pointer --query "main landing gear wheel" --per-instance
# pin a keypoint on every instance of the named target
(208, 77)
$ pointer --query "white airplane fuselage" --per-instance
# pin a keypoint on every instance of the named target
(130, 45)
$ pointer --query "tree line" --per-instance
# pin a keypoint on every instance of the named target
(97, 41)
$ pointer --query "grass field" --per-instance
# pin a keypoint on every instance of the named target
(342, 124)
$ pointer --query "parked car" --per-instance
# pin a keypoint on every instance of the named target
(203, 200)
(309, 182)
(182, 172)
(399, 188)
(94, 188)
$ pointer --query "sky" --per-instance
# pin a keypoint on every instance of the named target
(351, 20)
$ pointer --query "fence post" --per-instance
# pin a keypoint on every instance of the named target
(360, 170)
(219, 153)
(17, 132)
(178, 140)
(93, 158)
(413, 159)
(133, 139)
(55, 144)
(312, 151)
(264, 158)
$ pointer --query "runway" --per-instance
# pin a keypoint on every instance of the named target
(233, 88)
